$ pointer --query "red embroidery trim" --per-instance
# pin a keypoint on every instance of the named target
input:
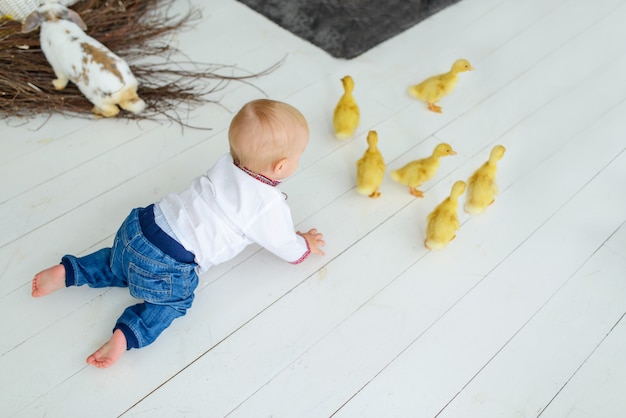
(257, 176)
(305, 255)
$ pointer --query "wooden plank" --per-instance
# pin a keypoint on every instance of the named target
(65, 154)
(21, 137)
(399, 314)
(596, 388)
(462, 342)
(550, 76)
(567, 328)
(325, 377)
(515, 23)
(617, 242)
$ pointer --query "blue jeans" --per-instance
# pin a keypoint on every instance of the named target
(165, 284)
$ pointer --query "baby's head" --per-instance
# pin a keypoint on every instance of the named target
(268, 137)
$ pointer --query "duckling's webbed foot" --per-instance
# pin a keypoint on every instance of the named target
(433, 107)
(415, 192)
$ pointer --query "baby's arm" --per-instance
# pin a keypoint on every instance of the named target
(314, 239)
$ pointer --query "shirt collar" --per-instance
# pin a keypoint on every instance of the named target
(257, 176)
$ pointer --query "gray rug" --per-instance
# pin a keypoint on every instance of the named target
(347, 28)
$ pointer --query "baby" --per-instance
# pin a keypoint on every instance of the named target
(159, 250)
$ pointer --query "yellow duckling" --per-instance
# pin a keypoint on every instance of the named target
(417, 172)
(443, 222)
(370, 169)
(482, 186)
(346, 115)
(435, 88)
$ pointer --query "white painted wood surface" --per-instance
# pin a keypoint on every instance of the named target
(521, 316)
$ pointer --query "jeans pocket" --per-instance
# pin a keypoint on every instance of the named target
(149, 286)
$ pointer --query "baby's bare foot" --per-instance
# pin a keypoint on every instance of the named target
(48, 281)
(110, 352)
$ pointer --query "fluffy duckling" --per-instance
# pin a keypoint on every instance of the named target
(346, 115)
(417, 172)
(443, 222)
(482, 186)
(370, 169)
(435, 88)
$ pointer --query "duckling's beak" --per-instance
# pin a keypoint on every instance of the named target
(452, 152)
(470, 68)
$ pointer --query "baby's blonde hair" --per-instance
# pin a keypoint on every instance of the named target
(265, 131)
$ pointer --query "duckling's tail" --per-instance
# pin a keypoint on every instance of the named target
(343, 135)
(434, 245)
(365, 190)
(473, 209)
(414, 91)
(395, 174)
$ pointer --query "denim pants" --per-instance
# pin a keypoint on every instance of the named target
(165, 284)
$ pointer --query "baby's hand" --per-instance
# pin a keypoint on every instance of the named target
(314, 239)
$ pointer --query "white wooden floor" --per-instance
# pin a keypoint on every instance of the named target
(521, 316)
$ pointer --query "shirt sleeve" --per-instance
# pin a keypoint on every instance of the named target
(273, 229)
